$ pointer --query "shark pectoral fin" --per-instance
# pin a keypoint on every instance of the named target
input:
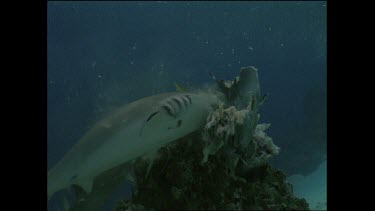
(86, 185)
(149, 167)
(151, 157)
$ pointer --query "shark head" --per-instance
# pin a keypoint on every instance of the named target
(179, 114)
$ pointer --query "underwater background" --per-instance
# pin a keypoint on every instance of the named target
(105, 54)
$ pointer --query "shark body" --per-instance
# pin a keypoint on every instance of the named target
(129, 132)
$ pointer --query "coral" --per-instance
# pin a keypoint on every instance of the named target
(220, 128)
(234, 131)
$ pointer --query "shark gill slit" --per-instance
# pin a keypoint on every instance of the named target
(173, 107)
(178, 103)
(168, 110)
(188, 98)
(185, 100)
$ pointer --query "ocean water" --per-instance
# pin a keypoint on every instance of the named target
(105, 54)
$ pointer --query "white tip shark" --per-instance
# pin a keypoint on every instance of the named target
(130, 132)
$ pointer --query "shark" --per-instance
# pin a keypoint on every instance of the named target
(129, 132)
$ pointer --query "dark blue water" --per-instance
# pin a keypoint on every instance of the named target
(104, 54)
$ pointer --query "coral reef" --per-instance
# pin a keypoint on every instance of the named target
(234, 131)
(223, 166)
(179, 180)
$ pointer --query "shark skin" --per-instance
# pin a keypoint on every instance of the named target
(129, 132)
